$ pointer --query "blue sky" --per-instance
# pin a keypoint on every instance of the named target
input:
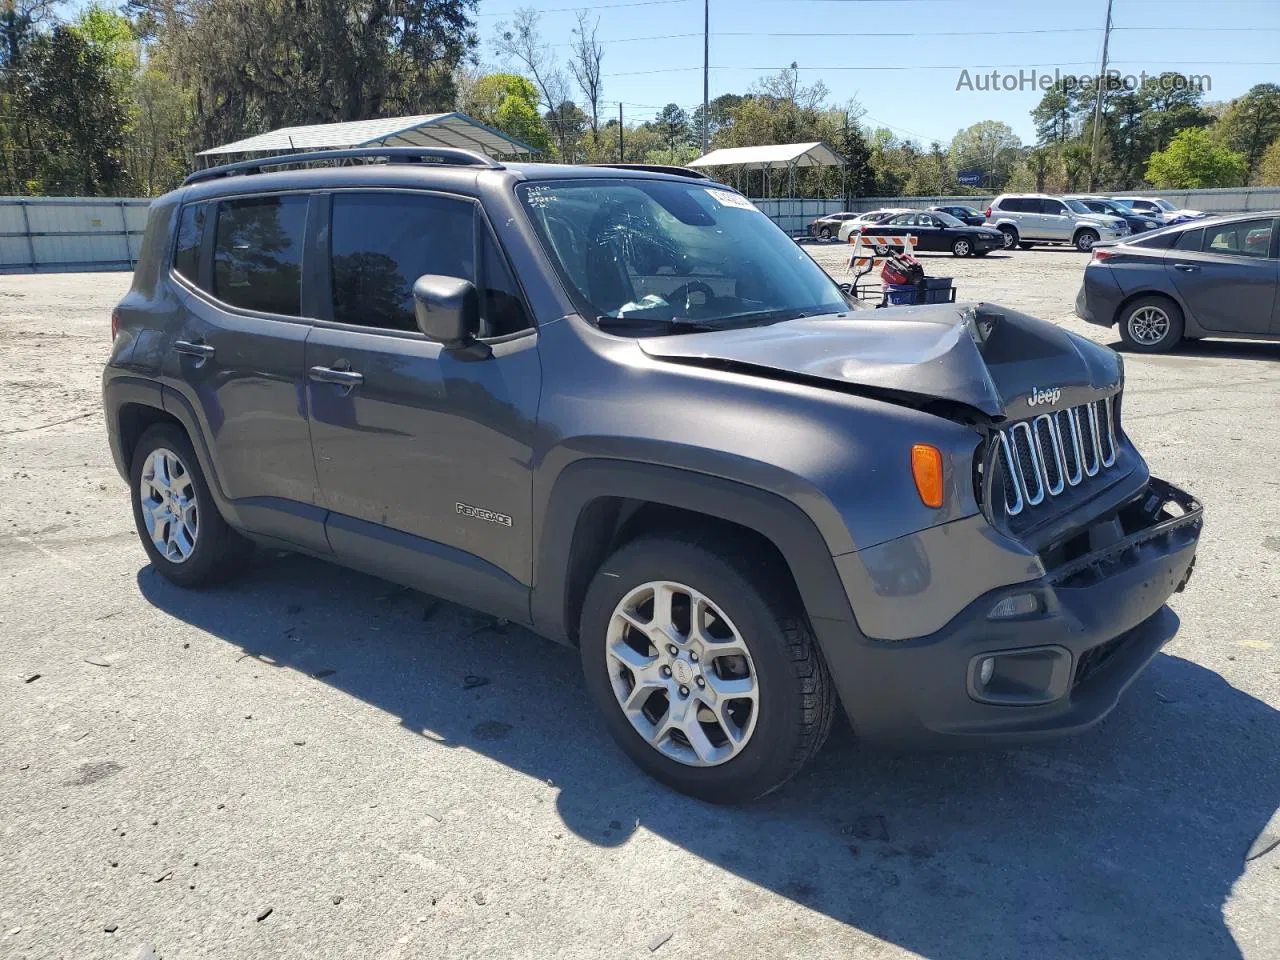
(1235, 42)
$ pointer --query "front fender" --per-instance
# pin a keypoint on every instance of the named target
(777, 519)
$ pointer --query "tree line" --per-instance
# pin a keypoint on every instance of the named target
(117, 101)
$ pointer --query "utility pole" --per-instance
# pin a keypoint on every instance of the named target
(1097, 103)
(622, 157)
(706, 72)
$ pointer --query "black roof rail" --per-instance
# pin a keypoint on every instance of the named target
(443, 155)
(655, 168)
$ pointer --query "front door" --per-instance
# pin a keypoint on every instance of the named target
(1055, 220)
(1229, 280)
(237, 359)
(424, 456)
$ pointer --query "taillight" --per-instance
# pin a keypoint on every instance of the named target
(862, 229)
(1103, 254)
(988, 214)
(115, 322)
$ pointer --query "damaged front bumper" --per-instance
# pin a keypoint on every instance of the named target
(1044, 657)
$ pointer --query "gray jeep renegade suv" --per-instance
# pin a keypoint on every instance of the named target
(620, 407)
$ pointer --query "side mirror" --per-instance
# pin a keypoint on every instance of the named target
(447, 310)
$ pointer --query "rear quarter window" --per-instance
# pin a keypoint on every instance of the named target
(186, 248)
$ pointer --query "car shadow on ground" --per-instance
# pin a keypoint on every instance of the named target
(1210, 350)
(1125, 841)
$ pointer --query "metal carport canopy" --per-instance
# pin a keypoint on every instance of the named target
(428, 130)
(772, 155)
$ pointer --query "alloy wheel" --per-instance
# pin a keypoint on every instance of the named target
(169, 510)
(1010, 239)
(961, 248)
(682, 674)
(1148, 325)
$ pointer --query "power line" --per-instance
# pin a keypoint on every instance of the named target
(595, 8)
(958, 66)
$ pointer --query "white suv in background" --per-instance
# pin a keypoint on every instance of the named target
(1026, 219)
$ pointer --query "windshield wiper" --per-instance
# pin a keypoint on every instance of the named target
(646, 324)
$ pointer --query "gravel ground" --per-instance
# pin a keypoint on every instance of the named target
(298, 765)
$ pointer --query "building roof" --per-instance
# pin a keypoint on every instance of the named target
(777, 154)
(428, 130)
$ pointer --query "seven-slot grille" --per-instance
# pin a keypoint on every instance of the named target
(1044, 456)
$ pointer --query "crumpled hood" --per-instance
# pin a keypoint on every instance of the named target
(992, 359)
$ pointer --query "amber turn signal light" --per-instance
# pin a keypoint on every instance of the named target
(926, 467)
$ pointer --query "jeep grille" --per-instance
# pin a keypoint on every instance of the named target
(1044, 456)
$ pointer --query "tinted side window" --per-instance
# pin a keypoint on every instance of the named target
(1054, 207)
(1012, 205)
(1252, 238)
(382, 243)
(1189, 240)
(257, 256)
(500, 300)
(186, 250)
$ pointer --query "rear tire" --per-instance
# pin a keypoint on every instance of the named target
(181, 529)
(1151, 324)
(824, 233)
(1010, 237)
(742, 595)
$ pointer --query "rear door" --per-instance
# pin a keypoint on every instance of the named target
(1229, 278)
(237, 359)
(423, 455)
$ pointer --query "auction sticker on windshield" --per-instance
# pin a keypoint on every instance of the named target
(727, 198)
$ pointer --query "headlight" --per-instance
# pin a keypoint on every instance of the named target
(1148, 224)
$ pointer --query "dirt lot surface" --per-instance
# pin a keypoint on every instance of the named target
(297, 765)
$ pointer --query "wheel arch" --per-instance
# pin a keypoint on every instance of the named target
(597, 505)
(1129, 298)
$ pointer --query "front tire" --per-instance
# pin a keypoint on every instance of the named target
(181, 529)
(745, 699)
(1151, 325)
(962, 248)
(1085, 240)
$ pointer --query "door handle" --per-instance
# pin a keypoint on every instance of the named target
(343, 378)
(1186, 268)
(201, 351)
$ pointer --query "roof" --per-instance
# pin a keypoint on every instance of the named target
(427, 130)
(777, 154)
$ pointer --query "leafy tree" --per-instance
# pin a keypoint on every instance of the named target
(521, 40)
(113, 34)
(77, 114)
(1076, 158)
(1170, 105)
(673, 123)
(719, 116)
(1053, 115)
(509, 102)
(1269, 169)
(1194, 160)
(1252, 122)
(988, 145)
(160, 114)
(271, 63)
(569, 124)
